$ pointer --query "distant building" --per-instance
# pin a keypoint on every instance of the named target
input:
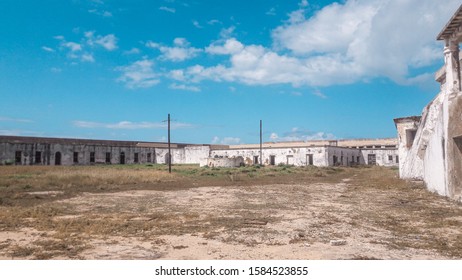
(60, 151)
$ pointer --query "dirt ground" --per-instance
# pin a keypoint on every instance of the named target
(260, 213)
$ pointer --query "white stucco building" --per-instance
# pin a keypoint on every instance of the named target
(430, 146)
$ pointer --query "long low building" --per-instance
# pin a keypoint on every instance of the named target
(61, 151)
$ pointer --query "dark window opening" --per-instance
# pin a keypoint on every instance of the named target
(38, 157)
(390, 158)
(149, 157)
(108, 157)
(92, 157)
(76, 157)
(18, 157)
(122, 158)
(272, 160)
(58, 158)
(309, 159)
(136, 158)
(410, 135)
(371, 160)
(397, 159)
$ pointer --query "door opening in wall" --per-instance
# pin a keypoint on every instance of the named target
(108, 157)
(76, 157)
(18, 157)
(122, 158)
(38, 157)
(309, 159)
(272, 160)
(290, 160)
(58, 158)
(255, 160)
(371, 159)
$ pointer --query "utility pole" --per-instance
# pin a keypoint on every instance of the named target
(261, 153)
(169, 151)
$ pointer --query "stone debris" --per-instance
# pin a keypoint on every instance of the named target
(339, 242)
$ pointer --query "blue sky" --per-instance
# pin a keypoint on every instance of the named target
(108, 69)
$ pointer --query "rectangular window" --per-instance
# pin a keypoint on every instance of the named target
(397, 159)
(38, 157)
(390, 158)
(76, 157)
(18, 157)
(92, 157)
(136, 158)
(149, 157)
(108, 157)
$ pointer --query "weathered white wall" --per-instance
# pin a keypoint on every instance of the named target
(225, 162)
(196, 154)
(383, 157)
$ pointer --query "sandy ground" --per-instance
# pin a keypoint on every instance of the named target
(310, 221)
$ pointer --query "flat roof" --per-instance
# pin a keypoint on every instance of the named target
(453, 24)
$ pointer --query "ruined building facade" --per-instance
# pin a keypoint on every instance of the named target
(430, 145)
(58, 151)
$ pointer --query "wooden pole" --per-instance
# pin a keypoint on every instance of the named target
(169, 151)
(261, 153)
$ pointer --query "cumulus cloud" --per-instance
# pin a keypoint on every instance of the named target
(139, 74)
(131, 125)
(341, 43)
(109, 42)
(180, 51)
(298, 134)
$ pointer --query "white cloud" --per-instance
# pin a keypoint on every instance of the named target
(318, 93)
(167, 9)
(197, 24)
(231, 46)
(226, 140)
(213, 22)
(100, 13)
(132, 125)
(48, 49)
(375, 37)
(87, 57)
(72, 46)
(340, 44)
(180, 50)
(139, 74)
(297, 134)
(132, 51)
(184, 87)
(109, 42)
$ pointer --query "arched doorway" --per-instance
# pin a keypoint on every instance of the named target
(58, 158)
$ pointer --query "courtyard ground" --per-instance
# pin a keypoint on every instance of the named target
(282, 212)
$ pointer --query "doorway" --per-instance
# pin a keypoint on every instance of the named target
(371, 160)
(272, 160)
(309, 159)
(122, 158)
(58, 158)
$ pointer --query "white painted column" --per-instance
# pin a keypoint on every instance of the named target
(451, 58)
